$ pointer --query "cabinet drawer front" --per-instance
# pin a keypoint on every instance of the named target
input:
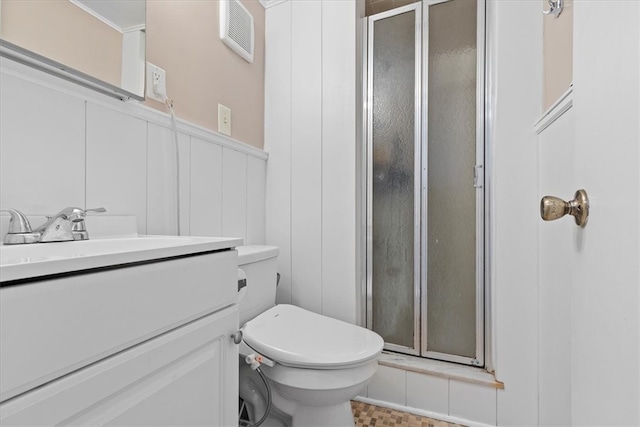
(186, 377)
(53, 327)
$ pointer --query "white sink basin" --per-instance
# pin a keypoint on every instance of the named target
(19, 262)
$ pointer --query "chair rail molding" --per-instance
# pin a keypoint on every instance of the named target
(561, 106)
(131, 108)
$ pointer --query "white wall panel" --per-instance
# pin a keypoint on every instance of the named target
(234, 194)
(428, 392)
(278, 140)
(306, 154)
(556, 177)
(73, 144)
(161, 181)
(206, 188)
(41, 148)
(310, 136)
(606, 275)
(472, 402)
(256, 173)
(517, 86)
(339, 160)
(117, 163)
(389, 385)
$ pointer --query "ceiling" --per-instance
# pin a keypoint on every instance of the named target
(123, 15)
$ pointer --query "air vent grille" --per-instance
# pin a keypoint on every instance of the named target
(236, 28)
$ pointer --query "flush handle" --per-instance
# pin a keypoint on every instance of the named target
(552, 208)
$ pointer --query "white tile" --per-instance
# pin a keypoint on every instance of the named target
(428, 392)
(117, 163)
(206, 188)
(472, 402)
(306, 155)
(389, 385)
(234, 193)
(277, 142)
(256, 174)
(338, 160)
(161, 181)
(42, 148)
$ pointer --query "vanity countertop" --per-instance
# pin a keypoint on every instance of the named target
(26, 262)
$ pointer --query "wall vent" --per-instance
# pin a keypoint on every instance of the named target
(236, 28)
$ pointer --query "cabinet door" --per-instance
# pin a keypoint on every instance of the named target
(53, 327)
(186, 377)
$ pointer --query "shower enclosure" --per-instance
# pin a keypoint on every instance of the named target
(424, 114)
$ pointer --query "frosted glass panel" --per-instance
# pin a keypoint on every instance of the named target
(451, 218)
(393, 178)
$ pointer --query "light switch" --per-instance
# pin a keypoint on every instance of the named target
(224, 119)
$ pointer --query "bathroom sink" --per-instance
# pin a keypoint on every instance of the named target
(20, 262)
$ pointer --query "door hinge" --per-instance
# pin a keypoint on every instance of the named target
(478, 176)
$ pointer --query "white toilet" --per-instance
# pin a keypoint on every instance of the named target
(320, 363)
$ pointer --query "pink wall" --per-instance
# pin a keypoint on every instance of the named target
(183, 39)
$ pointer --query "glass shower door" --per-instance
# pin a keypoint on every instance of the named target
(393, 258)
(425, 168)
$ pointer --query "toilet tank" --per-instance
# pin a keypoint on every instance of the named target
(260, 265)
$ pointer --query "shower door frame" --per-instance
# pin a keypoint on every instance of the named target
(417, 8)
(421, 162)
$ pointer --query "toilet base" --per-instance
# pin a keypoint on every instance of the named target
(301, 415)
(318, 397)
(313, 416)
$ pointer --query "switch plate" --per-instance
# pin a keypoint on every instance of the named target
(157, 75)
(224, 119)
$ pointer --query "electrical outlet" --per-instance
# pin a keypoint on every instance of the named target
(156, 83)
(224, 119)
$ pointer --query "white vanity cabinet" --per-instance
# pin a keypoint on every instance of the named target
(141, 344)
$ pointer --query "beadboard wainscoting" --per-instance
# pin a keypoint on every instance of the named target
(310, 133)
(64, 145)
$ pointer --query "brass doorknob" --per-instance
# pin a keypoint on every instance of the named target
(552, 208)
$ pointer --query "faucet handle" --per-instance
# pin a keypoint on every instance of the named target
(82, 214)
(76, 214)
(18, 222)
(97, 210)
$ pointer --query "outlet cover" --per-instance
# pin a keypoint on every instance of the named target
(157, 74)
(224, 119)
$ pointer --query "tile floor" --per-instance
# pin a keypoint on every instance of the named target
(370, 415)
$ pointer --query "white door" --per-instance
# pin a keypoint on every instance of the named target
(606, 273)
(590, 277)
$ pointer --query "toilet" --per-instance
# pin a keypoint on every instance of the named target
(319, 363)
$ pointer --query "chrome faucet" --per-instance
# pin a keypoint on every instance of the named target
(66, 225)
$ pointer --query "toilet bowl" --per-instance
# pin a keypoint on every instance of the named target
(314, 364)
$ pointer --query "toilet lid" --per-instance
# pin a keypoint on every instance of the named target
(296, 337)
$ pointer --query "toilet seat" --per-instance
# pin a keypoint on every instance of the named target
(295, 337)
